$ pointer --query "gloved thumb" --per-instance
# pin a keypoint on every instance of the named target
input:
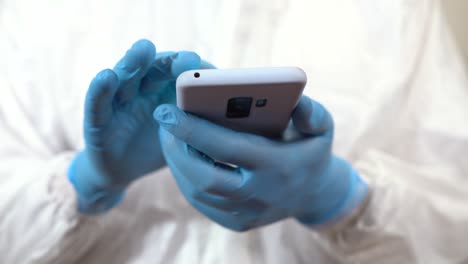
(311, 118)
(210, 138)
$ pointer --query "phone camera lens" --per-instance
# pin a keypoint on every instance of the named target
(196, 75)
(239, 107)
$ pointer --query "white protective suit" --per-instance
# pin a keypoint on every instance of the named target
(387, 70)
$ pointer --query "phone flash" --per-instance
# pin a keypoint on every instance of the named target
(260, 102)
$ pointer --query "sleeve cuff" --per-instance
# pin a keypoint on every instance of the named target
(72, 231)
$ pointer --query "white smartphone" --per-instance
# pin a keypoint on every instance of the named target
(254, 100)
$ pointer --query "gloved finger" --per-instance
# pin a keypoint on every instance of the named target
(133, 67)
(166, 67)
(229, 220)
(245, 206)
(311, 118)
(206, 65)
(241, 149)
(186, 60)
(99, 97)
(235, 219)
(200, 172)
(238, 215)
(160, 69)
(160, 93)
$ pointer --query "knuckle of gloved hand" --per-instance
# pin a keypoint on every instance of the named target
(192, 196)
(208, 185)
(324, 143)
(245, 191)
(279, 166)
(196, 193)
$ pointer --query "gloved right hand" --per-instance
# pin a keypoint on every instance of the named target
(121, 137)
(273, 179)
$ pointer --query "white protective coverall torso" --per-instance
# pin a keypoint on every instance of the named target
(387, 70)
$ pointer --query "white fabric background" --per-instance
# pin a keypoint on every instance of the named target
(387, 70)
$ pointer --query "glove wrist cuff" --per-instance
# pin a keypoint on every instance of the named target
(350, 191)
(91, 198)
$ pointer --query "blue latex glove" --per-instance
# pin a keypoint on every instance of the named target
(274, 180)
(121, 137)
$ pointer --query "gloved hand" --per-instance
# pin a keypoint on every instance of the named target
(274, 179)
(121, 137)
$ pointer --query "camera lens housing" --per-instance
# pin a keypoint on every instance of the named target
(239, 107)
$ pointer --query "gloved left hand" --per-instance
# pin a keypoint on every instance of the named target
(121, 137)
(274, 179)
